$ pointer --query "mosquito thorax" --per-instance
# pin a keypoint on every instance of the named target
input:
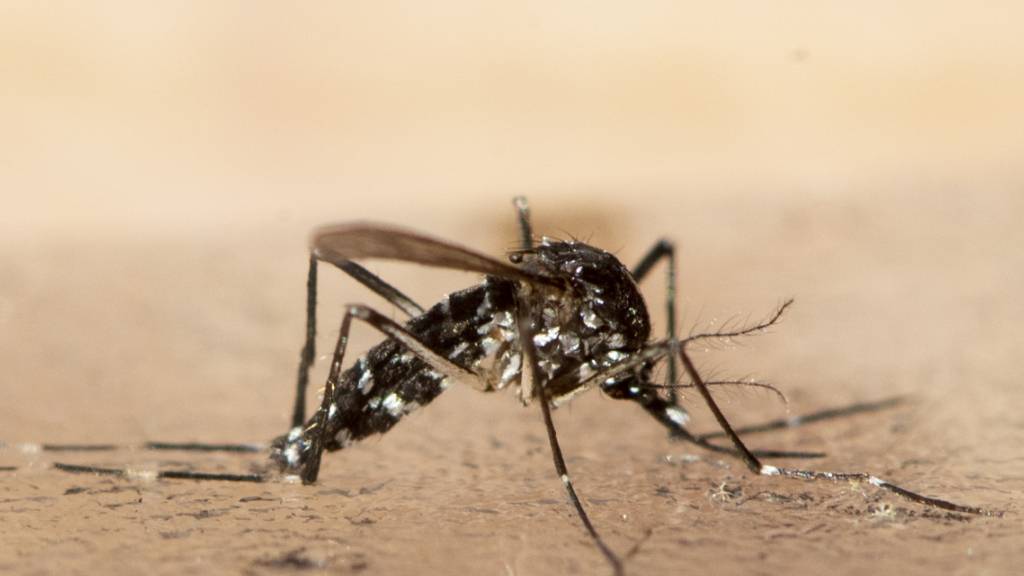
(601, 318)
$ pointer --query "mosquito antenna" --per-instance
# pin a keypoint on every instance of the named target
(721, 383)
(726, 334)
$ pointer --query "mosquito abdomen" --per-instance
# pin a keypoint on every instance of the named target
(390, 381)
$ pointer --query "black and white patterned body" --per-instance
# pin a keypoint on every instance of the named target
(595, 321)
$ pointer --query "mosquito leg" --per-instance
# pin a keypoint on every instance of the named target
(159, 446)
(308, 353)
(204, 447)
(878, 483)
(664, 250)
(757, 467)
(307, 356)
(79, 447)
(391, 329)
(535, 374)
(180, 474)
(174, 474)
(383, 289)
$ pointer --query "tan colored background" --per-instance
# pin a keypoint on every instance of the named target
(161, 164)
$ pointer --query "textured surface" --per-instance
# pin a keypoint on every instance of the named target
(104, 346)
(161, 167)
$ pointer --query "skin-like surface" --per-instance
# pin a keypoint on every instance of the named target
(162, 166)
(466, 483)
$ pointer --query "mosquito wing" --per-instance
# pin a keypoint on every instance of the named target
(340, 243)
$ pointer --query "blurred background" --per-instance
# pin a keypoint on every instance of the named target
(155, 157)
(161, 165)
(153, 118)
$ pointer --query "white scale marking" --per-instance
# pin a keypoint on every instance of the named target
(489, 345)
(591, 319)
(677, 416)
(515, 361)
(366, 381)
(458, 350)
(616, 340)
(614, 356)
(343, 437)
(291, 454)
(485, 307)
(393, 404)
(141, 475)
(570, 342)
(586, 371)
(542, 339)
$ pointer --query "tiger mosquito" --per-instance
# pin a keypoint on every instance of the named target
(558, 318)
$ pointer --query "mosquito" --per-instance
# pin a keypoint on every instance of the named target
(556, 319)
